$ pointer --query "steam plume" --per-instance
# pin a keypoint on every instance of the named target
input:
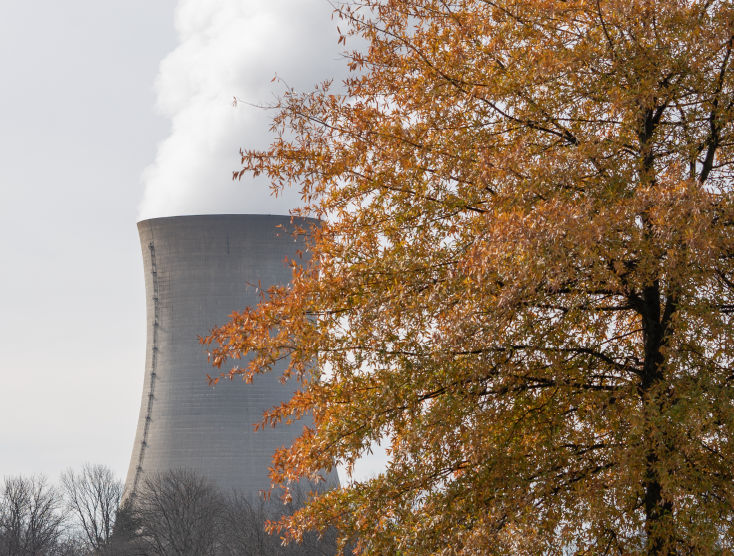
(231, 48)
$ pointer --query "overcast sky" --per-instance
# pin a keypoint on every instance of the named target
(112, 112)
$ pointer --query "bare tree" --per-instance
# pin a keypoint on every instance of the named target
(93, 496)
(243, 528)
(31, 523)
(244, 531)
(312, 543)
(179, 514)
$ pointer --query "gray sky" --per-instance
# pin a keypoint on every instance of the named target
(79, 124)
(93, 138)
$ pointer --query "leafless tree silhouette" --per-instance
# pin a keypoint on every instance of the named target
(93, 496)
(31, 523)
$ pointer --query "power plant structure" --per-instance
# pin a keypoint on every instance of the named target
(198, 270)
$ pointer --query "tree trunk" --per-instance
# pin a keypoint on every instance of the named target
(657, 509)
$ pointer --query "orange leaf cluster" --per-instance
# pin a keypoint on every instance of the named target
(524, 280)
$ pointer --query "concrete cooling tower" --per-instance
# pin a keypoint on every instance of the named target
(198, 270)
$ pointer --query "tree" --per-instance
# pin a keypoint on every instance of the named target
(243, 528)
(178, 512)
(125, 539)
(524, 280)
(93, 496)
(30, 521)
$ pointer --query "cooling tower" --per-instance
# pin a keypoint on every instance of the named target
(198, 270)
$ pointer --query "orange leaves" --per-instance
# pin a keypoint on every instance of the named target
(524, 282)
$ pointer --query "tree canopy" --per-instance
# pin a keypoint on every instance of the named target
(523, 282)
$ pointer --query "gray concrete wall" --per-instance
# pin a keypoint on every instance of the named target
(197, 271)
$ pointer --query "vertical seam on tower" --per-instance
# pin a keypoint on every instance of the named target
(153, 367)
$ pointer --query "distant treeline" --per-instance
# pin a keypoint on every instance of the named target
(174, 513)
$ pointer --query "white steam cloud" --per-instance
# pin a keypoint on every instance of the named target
(231, 48)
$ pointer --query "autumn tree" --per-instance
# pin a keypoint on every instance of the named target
(524, 280)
